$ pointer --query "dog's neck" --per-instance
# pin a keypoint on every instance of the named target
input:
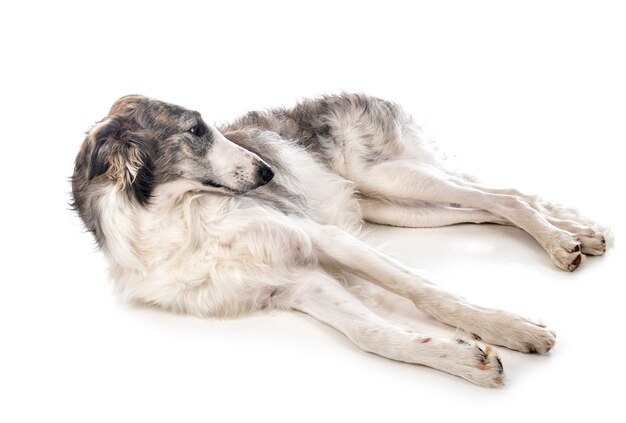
(172, 226)
(120, 221)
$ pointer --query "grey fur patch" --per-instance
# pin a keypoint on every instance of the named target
(312, 124)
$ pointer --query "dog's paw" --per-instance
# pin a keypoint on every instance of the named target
(532, 338)
(606, 233)
(481, 365)
(594, 241)
(565, 251)
(517, 333)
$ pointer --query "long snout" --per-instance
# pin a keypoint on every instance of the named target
(236, 168)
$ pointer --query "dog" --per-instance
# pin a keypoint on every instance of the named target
(265, 212)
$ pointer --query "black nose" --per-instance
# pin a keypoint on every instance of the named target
(266, 173)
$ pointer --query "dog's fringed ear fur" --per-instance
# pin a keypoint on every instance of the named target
(122, 153)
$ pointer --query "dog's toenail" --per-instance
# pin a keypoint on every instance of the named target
(577, 260)
(500, 366)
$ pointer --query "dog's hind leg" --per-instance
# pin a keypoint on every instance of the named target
(417, 214)
(405, 180)
(593, 237)
(338, 249)
(376, 145)
(322, 297)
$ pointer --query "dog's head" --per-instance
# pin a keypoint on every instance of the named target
(144, 142)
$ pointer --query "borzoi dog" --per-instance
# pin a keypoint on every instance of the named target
(265, 213)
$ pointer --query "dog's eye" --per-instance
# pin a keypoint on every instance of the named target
(199, 129)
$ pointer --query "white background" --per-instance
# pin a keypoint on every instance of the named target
(529, 94)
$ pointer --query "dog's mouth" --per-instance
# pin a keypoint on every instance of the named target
(213, 184)
(223, 188)
(262, 176)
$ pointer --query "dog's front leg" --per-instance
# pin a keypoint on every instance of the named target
(319, 295)
(338, 248)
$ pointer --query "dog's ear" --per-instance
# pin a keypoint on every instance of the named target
(122, 154)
